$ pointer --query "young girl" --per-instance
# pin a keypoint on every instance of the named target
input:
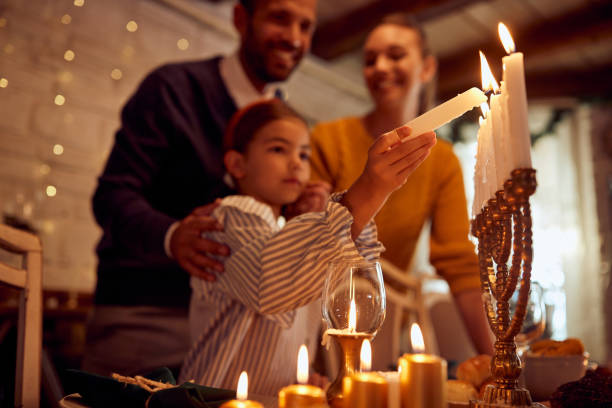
(257, 313)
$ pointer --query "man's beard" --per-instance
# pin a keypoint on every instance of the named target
(255, 54)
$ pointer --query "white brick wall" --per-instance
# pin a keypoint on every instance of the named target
(32, 45)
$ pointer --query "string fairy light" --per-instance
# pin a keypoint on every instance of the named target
(116, 74)
(58, 149)
(69, 55)
(3, 82)
(79, 3)
(182, 44)
(131, 26)
(59, 99)
(66, 19)
(51, 190)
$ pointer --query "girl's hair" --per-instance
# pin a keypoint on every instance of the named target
(248, 120)
(428, 93)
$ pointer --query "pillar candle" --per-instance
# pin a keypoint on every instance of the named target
(393, 388)
(302, 395)
(365, 389)
(422, 376)
(241, 400)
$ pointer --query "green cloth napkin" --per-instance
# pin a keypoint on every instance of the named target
(103, 392)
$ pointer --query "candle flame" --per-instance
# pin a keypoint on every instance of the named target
(488, 80)
(302, 365)
(506, 38)
(352, 323)
(484, 107)
(416, 337)
(365, 362)
(242, 392)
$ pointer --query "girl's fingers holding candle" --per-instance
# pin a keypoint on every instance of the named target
(399, 152)
(385, 142)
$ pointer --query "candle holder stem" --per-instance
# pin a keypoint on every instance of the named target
(504, 226)
(350, 347)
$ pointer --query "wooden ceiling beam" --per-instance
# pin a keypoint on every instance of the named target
(568, 32)
(581, 84)
(347, 32)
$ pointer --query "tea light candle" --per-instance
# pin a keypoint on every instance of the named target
(365, 389)
(422, 376)
(302, 395)
(445, 112)
(241, 395)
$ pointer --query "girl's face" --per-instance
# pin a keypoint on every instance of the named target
(275, 167)
(394, 67)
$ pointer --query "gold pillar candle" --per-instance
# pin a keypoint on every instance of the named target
(241, 395)
(422, 377)
(365, 389)
(302, 395)
(393, 388)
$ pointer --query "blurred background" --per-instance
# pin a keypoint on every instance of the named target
(68, 66)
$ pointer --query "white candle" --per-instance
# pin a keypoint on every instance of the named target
(476, 203)
(514, 88)
(491, 181)
(445, 112)
(393, 388)
(500, 141)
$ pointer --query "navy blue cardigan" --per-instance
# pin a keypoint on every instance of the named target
(167, 160)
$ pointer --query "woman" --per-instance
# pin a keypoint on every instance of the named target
(397, 69)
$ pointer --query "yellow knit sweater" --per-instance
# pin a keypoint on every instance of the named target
(434, 191)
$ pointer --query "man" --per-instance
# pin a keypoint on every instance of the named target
(165, 165)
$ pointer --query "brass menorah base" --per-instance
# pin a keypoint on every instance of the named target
(350, 348)
(504, 225)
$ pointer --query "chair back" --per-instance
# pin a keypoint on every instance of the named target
(405, 304)
(28, 278)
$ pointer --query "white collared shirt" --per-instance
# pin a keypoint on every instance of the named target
(238, 84)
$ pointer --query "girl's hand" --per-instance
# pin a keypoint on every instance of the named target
(313, 199)
(391, 161)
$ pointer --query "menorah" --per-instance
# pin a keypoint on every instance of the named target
(503, 228)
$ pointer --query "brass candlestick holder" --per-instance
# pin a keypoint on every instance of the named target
(350, 348)
(504, 225)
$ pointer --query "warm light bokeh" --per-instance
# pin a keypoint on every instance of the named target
(416, 337)
(242, 391)
(302, 365)
(365, 362)
(506, 38)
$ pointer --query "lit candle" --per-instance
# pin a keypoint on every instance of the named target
(365, 389)
(513, 88)
(422, 376)
(445, 112)
(302, 395)
(242, 391)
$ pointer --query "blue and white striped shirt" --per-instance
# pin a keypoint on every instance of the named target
(266, 303)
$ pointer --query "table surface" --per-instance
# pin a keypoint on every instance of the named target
(75, 401)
